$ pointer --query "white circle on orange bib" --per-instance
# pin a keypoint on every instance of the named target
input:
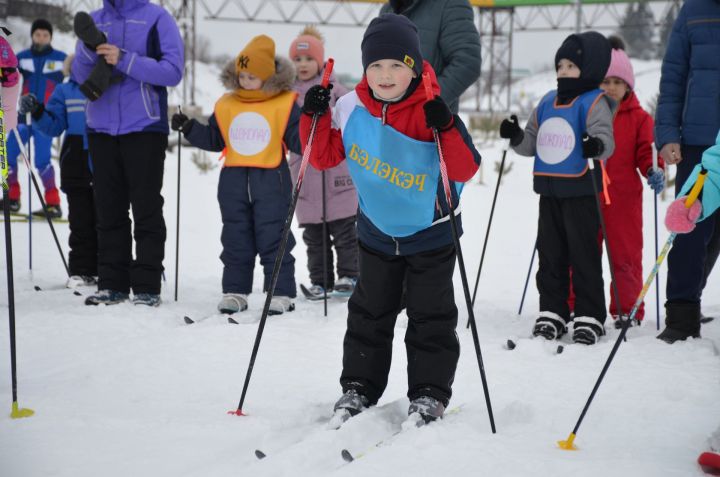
(555, 141)
(249, 133)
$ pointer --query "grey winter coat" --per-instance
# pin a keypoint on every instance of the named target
(449, 41)
(340, 196)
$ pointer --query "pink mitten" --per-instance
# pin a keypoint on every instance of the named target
(680, 219)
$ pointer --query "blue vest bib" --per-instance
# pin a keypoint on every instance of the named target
(396, 176)
(559, 137)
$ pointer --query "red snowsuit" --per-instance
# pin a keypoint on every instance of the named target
(633, 131)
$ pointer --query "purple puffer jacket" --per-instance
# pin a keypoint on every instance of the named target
(340, 196)
(152, 59)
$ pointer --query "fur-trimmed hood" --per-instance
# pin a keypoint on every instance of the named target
(282, 80)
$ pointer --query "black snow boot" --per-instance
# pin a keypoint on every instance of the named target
(682, 321)
(550, 326)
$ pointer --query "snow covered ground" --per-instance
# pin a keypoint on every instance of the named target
(126, 390)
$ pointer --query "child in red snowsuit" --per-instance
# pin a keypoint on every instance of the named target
(622, 199)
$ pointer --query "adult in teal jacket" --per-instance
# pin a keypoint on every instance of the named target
(686, 124)
(449, 41)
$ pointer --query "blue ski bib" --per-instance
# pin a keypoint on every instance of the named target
(396, 176)
(560, 129)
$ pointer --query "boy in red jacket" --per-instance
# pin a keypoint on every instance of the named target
(383, 128)
(622, 205)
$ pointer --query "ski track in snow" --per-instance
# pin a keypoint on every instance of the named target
(126, 390)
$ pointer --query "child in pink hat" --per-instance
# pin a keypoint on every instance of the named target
(622, 207)
(308, 54)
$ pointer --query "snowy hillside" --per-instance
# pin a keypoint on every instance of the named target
(124, 390)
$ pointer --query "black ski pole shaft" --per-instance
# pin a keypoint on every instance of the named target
(527, 279)
(177, 217)
(16, 411)
(324, 244)
(283, 245)
(42, 202)
(461, 263)
(487, 231)
(568, 444)
(603, 229)
(657, 280)
(29, 188)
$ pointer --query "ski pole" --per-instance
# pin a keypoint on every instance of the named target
(17, 411)
(657, 282)
(487, 232)
(42, 201)
(324, 244)
(603, 229)
(527, 280)
(568, 444)
(283, 245)
(461, 264)
(177, 218)
(28, 120)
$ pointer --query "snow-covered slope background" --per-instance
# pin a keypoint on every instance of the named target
(127, 390)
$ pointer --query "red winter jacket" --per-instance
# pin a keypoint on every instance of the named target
(407, 117)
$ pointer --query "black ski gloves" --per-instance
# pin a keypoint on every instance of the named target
(180, 122)
(30, 104)
(99, 80)
(592, 147)
(87, 32)
(510, 129)
(317, 100)
(438, 115)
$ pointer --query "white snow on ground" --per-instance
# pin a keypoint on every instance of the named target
(127, 390)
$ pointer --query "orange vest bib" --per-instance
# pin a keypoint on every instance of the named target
(253, 131)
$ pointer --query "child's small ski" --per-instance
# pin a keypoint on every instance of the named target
(511, 345)
(413, 421)
(192, 321)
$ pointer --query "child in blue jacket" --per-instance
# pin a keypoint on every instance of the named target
(65, 113)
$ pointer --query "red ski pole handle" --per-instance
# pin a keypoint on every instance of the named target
(428, 86)
(328, 71)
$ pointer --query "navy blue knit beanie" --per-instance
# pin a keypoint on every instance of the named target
(41, 24)
(392, 37)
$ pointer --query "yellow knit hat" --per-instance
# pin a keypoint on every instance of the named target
(257, 58)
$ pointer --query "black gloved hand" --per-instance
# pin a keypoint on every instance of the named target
(180, 122)
(438, 115)
(30, 104)
(592, 147)
(86, 30)
(510, 129)
(98, 81)
(317, 100)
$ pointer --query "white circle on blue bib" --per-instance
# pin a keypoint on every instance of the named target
(555, 141)
(249, 133)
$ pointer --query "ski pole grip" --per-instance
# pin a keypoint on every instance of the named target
(428, 86)
(695, 191)
(328, 70)
(654, 158)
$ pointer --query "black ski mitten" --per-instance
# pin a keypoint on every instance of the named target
(317, 100)
(510, 129)
(592, 147)
(85, 29)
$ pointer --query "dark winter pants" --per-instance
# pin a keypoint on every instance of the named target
(254, 204)
(341, 233)
(568, 237)
(692, 255)
(128, 171)
(76, 183)
(430, 340)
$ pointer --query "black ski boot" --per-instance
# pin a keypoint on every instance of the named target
(550, 326)
(99, 79)
(587, 330)
(350, 404)
(14, 205)
(682, 321)
(429, 408)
